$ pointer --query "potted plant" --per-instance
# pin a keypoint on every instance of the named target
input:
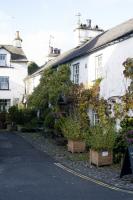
(101, 141)
(71, 129)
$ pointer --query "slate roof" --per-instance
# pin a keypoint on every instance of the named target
(100, 41)
(96, 43)
(17, 54)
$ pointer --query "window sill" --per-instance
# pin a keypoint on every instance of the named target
(5, 90)
(5, 66)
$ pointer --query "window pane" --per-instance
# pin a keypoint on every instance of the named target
(3, 59)
(4, 83)
(4, 104)
(76, 73)
(98, 67)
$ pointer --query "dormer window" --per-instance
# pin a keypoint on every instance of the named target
(3, 58)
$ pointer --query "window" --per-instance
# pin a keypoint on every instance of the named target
(4, 83)
(3, 60)
(76, 73)
(95, 119)
(98, 67)
(4, 104)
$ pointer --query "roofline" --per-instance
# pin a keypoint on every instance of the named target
(2, 47)
(117, 40)
(19, 60)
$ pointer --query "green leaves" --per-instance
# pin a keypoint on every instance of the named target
(102, 137)
(53, 83)
(71, 128)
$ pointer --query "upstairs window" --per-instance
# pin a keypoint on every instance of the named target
(98, 66)
(76, 73)
(3, 58)
(4, 83)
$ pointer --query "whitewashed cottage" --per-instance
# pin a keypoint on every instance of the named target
(13, 70)
(100, 54)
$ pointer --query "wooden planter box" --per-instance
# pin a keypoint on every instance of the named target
(101, 158)
(76, 146)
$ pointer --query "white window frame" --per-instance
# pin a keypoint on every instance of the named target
(3, 60)
(4, 82)
(76, 73)
(99, 66)
(95, 119)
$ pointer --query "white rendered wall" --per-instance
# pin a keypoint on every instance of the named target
(83, 69)
(113, 83)
(31, 83)
(16, 73)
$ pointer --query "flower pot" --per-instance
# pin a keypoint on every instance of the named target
(76, 146)
(101, 158)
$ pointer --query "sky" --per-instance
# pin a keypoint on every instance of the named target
(38, 19)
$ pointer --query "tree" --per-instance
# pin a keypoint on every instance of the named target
(32, 67)
(53, 83)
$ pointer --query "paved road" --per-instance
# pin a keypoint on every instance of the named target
(28, 174)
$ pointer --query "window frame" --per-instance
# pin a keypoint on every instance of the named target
(3, 62)
(5, 105)
(99, 66)
(7, 82)
(76, 73)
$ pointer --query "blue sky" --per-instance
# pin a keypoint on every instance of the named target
(38, 19)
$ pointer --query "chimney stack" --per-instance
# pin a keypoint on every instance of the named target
(17, 41)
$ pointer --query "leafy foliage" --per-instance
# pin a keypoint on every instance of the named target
(49, 121)
(32, 67)
(71, 128)
(20, 116)
(121, 142)
(53, 83)
(102, 137)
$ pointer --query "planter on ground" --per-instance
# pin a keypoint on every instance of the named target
(75, 135)
(101, 158)
(76, 146)
(101, 141)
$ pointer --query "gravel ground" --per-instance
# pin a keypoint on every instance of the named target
(79, 162)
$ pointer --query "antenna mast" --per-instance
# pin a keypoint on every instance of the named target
(50, 40)
(78, 15)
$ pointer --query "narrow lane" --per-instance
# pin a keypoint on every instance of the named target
(28, 174)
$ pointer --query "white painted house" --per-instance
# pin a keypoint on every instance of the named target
(102, 56)
(32, 81)
(13, 70)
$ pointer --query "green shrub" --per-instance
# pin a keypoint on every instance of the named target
(49, 121)
(21, 116)
(121, 143)
(71, 128)
(102, 137)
